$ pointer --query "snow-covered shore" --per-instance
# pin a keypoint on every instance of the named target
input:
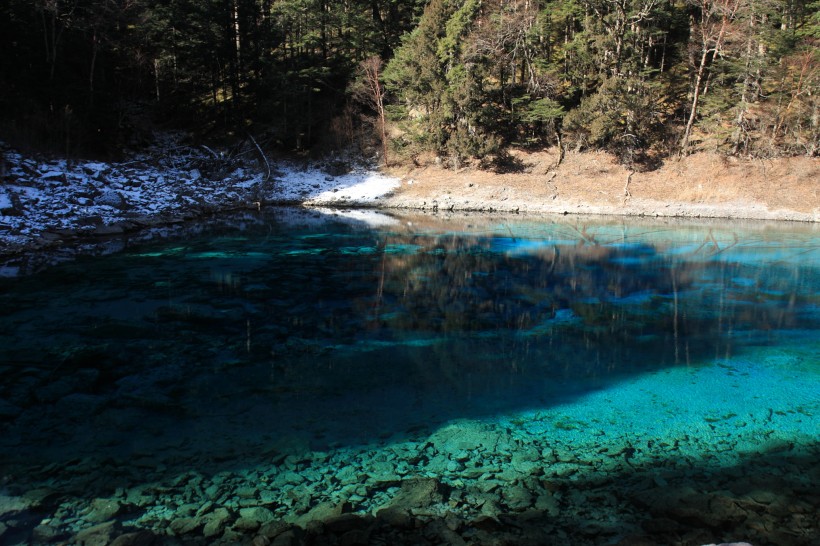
(44, 202)
(92, 206)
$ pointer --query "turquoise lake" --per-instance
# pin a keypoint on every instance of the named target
(316, 377)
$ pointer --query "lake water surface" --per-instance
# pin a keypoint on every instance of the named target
(363, 378)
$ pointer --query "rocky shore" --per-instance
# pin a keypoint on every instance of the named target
(59, 204)
(48, 203)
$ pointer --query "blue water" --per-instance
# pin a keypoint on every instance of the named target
(517, 380)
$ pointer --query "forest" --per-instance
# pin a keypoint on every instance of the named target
(460, 80)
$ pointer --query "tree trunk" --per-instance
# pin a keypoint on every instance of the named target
(372, 73)
(709, 44)
(156, 79)
(94, 48)
(739, 130)
(695, 99)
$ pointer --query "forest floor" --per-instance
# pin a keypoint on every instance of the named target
(700, 185)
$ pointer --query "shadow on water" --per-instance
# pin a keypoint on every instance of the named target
(238, 347)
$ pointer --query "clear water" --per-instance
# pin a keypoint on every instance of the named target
(304, 376)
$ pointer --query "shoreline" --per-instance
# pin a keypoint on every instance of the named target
(58, 205)
(699, 186)
(636, 209)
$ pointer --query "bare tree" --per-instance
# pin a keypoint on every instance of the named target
(715, 18)
(371, 69)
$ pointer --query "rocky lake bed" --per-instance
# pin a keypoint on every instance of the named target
(466, 483)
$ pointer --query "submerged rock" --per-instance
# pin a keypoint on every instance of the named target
(547, 504)
(319, 513)
(344, 523)
(517, 498)
(417, 493)
(253, 518)
(395, 517)
(215, 522)
(185, 525)
(455, 439)
(103, 510)
(99, 535)
(10, 505)
(139, 538)
(291, 537)
(46, 533)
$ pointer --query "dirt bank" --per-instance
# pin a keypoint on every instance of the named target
(702, 185)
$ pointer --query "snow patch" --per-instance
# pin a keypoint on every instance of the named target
(164, 183)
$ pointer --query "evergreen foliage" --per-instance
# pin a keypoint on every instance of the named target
(462, 79)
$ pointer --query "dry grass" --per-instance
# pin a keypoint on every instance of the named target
(596, 180)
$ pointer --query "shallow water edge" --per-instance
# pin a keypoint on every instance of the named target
(61, 248)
